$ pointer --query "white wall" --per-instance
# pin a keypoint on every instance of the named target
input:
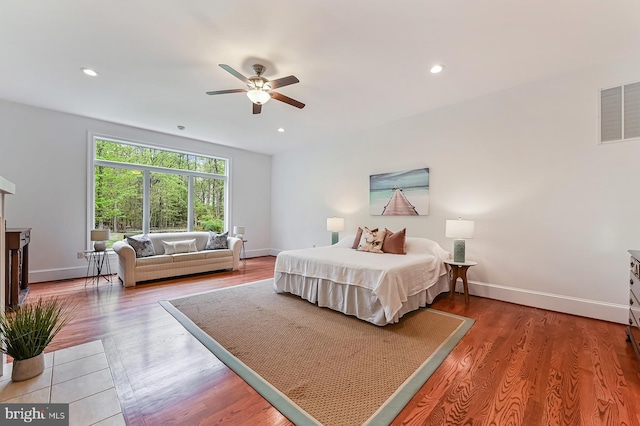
(45, 154)
(555, 211)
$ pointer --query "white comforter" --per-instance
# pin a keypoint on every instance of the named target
(391, 277)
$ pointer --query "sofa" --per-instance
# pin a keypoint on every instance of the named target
(132, 269)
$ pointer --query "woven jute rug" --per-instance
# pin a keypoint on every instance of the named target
(315, 365)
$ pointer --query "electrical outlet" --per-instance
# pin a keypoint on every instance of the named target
(80, 255)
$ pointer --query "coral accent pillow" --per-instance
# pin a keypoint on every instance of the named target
(356, 240)
(371, 241)
(394, 242)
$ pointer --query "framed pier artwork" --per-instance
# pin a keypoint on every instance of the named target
(399, 193)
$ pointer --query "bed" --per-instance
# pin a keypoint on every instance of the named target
(378, 288)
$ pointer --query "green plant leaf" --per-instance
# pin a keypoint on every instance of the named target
(27, 331)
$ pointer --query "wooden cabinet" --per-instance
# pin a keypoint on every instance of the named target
(633, 330)
(6, 188)
(17, 265)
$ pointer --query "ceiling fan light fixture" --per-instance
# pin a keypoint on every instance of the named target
(258, 88)
(259, 97)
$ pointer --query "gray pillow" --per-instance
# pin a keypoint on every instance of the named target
(217, 241)
(142, 245)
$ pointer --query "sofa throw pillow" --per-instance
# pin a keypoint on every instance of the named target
(371, 241)
(169, 247)
(173, 247)
(356, 240)
(142, 245)
(186, 246)
(394, 242)
(217, 241)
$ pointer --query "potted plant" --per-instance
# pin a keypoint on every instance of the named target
(27, 331)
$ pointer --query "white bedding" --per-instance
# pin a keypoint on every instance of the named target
(392, 278)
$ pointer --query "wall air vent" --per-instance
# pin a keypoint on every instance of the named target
(620, 113)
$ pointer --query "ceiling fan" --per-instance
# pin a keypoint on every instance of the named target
(259, 89)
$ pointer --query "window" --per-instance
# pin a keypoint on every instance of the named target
(620, 113)
(140, 189)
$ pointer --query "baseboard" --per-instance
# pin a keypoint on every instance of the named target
(59, 274)
(552, 302)
(258, 253)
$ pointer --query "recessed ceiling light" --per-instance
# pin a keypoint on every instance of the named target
(281, 130)
(89, 71)
(437, 68)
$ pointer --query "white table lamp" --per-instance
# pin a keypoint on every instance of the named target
(461, 230)
(99, 236)
(238, 231)
(335, 225)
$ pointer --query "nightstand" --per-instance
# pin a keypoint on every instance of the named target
(459, 270)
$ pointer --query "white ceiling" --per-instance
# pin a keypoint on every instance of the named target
(361, 63)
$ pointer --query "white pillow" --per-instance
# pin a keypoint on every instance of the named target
(417, 245)
(173, 247)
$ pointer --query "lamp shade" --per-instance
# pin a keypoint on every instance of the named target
(460, 229)
(100, 234)
(238, 230)
(258, 96)
(335, 224)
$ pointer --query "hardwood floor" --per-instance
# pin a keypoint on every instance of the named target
(516, 366)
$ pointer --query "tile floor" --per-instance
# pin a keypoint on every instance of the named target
(80, 376)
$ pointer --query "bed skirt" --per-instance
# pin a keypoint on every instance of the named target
(351, 299)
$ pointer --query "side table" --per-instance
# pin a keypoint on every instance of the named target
(98, 266)
(459, 270)
(243, 254)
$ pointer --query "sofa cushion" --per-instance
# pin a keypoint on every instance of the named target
(142, 245)
(217, 241)
(216, 254)
(158, 259)
(185, 257)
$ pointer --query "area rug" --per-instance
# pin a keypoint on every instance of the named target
(315, 365)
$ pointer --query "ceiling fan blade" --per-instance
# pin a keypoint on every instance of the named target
(222, 92)
(234, 73)
(287, 100)
(257, 108)
(284, 81)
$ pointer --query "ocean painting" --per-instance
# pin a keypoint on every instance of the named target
(399, 193)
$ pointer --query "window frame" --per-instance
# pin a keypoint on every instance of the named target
(92, 163)
(623, 138)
